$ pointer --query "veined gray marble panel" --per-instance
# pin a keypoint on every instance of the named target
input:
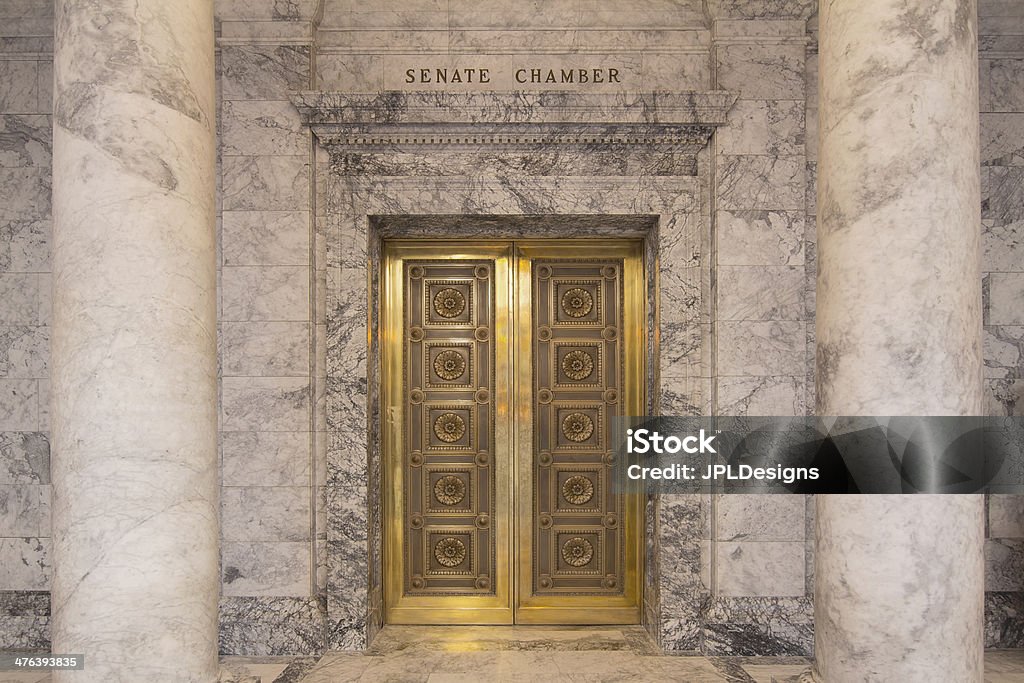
(263, 72)
(683, 298)
(683, 353)
(1003, 351)
(265, 293)
(1004, 564)
(1002, 139)
(369, 41)
(265, 513)
(24, 458)
(25, 564)
(265, 10)
(761, 348)
(752, 517)
(19, 405)
(43, 400)
(266, 238)
(45, 86)
(1002, 193)
(281, 569)
(1004, 620)
(1004, 397)
(265, 403)
(349, 72)
(761, 293)
(25, 140)
(586, 41)
(24, 510)
(776, 395)
(26, 192)
(811, 195)
(25, 245)
(761, 9)
(668, 71)
(609, 110)
(45, 313)
(1002, 245)
(1005, 516)
(685, 396)
(24, 351)
(19, 86)
(759, 569)
(648, 13)
(780, 626)
(999, 85)
(770, 238)
(1006, 292)
(371, 17)
(768, 72)
(266, 458)
(262, 127)
(347, 511)
(681, 590)
(265, 183)
(346, 449)
(762, 182)
(262, 349)
(25, 620)
(478, 14)
(526, 160)
(772, 127)
(268, 626)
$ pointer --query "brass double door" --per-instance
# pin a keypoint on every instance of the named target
(504, 365)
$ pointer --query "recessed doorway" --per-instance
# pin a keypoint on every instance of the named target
(504, 364)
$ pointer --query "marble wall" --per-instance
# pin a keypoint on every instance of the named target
(270, 373)
(300, 535)
(1001, 47)
(26, 72)
(759, 552)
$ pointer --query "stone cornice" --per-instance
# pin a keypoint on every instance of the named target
(465, 120)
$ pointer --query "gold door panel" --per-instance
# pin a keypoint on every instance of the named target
(447, 438)
(580, 360)
(495, 514)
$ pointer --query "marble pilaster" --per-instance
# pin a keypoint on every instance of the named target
(134, 390)
(899, 580)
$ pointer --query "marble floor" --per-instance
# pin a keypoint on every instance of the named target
(455, 654)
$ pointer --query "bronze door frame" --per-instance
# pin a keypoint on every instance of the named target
(513, 599)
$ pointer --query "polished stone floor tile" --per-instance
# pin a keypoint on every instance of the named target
(1005, 662)
(775, 673)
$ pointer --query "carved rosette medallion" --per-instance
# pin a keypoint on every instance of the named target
(450, 552)
(449, 427)
(577, 427)
(449, 490)
(578, 490)
(577, 552)
(450, 365)
(577, 365)
(449, 303)
(577, 302)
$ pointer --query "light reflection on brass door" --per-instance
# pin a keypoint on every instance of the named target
(504, 365)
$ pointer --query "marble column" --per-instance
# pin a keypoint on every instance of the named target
(899, 579)
(134, 392)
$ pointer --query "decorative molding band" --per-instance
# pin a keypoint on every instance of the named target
(676, 121)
